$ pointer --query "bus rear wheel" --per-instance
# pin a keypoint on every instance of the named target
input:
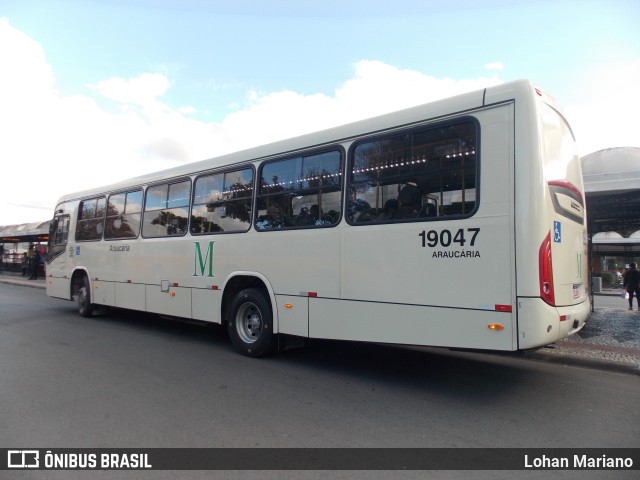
(250, 323)
(85, 307)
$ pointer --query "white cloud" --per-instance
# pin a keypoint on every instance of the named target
(374, 89)
(604, 111)
(494, 66)
(54, 144)
(142, 90)
(379, 88)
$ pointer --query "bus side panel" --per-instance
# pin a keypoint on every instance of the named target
(104, 293)
(287, 259)
(392, 263)
(464, 265)
(206, 304)
(409, 324)
(131, 296)
(293, 315)
(59, 287)
(175, 301)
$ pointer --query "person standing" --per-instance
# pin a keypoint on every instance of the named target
(24, 264)
(35, 263)
(631, 284)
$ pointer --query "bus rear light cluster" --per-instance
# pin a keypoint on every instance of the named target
(545, 271)
(568, 187)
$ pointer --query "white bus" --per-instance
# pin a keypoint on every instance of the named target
(460, 223)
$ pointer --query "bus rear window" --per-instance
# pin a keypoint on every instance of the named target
(559, 149)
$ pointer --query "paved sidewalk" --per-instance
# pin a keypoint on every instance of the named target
(15, 278)
(610, 340)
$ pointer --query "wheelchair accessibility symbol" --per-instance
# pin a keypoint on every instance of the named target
(557, 232)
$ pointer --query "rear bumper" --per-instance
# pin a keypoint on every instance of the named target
(540, 324)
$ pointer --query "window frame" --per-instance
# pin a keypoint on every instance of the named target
(57, 248)
(167, 183)
(334, 148)
(95, 219)
(225, 171)
(107, 216)
(350, 184)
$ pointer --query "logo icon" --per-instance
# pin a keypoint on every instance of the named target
(200, 264)
(23, 459)
(557, 232)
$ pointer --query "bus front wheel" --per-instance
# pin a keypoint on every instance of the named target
(85, 307)
(250, 323)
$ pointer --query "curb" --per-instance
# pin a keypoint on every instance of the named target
(633, 352)
(578, 361)
(24, 283)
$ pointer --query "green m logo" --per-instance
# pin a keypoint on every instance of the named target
(200, 264)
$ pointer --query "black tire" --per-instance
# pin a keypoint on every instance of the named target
(85, 307)
(250, 323)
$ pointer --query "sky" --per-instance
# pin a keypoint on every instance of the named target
(97, 91)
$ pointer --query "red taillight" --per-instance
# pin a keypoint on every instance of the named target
(503, 308)
(546, 271)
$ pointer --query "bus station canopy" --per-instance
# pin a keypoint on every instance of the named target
(25, 232)
(612, 190)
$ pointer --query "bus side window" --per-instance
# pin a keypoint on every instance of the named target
(166, 211)
(429, 172)
(123, 215)
(409, 202)
(300, 192)
(90, 222)
(275, 213)
(222, 202)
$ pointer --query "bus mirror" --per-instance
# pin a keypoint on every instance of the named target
(53, 226)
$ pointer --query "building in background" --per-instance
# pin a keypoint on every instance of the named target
(612, 186)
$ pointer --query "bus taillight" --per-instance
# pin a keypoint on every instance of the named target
(546, 271)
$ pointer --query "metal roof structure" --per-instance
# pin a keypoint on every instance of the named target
(25, 232)
(612, 190)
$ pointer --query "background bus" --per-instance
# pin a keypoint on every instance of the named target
(460, 223)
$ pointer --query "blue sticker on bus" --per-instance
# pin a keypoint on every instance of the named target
(77, 251)
(557, 232)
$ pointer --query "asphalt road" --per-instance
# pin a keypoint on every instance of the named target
(132, 380)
